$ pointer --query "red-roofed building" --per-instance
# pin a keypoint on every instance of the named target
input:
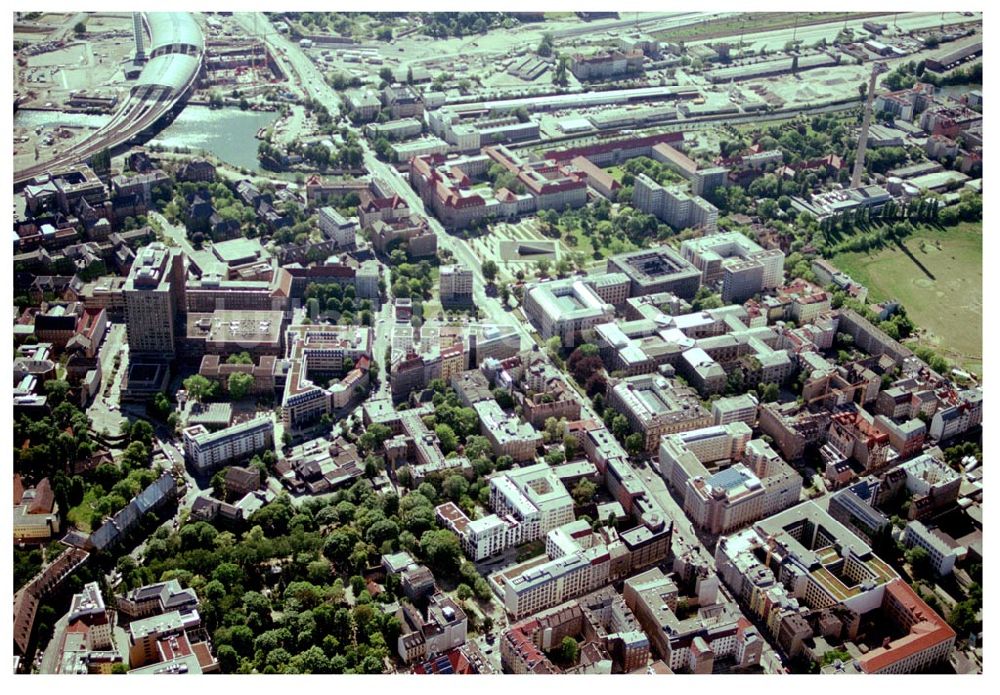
(91, 327)
(929, 638)
(453, 662)
(385, 209)
(519, 653)
(36, 514)
(615, 151)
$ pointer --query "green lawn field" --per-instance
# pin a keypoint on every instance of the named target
(616, 172)
(939, 279)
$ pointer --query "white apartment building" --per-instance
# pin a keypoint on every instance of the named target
(208, 451)
(342, 231)
(556, 581)
(741, 408)
(532, 490)
(527, 503)
(954, 419)
(942, 555)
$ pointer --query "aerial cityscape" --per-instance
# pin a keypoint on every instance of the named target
(497, 343)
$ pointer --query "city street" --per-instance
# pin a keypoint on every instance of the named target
(311, 80)
(104, 413)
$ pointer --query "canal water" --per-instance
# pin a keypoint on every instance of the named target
(229, 134)
(31, 119)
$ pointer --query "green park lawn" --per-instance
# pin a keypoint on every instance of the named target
(79, 516)
(939, 281)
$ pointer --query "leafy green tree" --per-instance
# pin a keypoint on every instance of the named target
(635, 443)
(56, 391)
(239, 385)
(546, 45)
(584, 491)
(569, 650)
(619, 426)
(442, 551)
(456, 487)
(769, 393)
(198, 387)
(239, 358)
(919, 561)
(490, 270)
(447, 437)
(141, 431)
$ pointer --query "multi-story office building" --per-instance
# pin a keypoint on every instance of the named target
(394, 130)
(654, 406)
(88, 606)
(555, 581)
(508, 434)
(927, 639)
(456, 284)
(725, 500)
(446, 187)
(568, 308)
(599, 66)
(441, 627)
(742, 408)
(145, 635)
(36, 512)
(660, 269)
(319, 352)
(853, 507)
(154, 599)
(208, 451)
(714, 253)
(706, 445)
(527, 503)
(674, 205)
(760, 484)
(228, 332)
(932, 483)
(690, 644)
(907, 438)
(532, 492)
(212, 293)
(154, 295)
(792, 427)
(813, 555)
(741, 280)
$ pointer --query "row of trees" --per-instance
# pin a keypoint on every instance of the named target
(444, 24)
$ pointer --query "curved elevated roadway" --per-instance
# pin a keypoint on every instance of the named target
(176, 50)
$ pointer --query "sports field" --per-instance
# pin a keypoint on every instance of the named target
(939, 279)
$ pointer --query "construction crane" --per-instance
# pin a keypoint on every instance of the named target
(859, 161)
